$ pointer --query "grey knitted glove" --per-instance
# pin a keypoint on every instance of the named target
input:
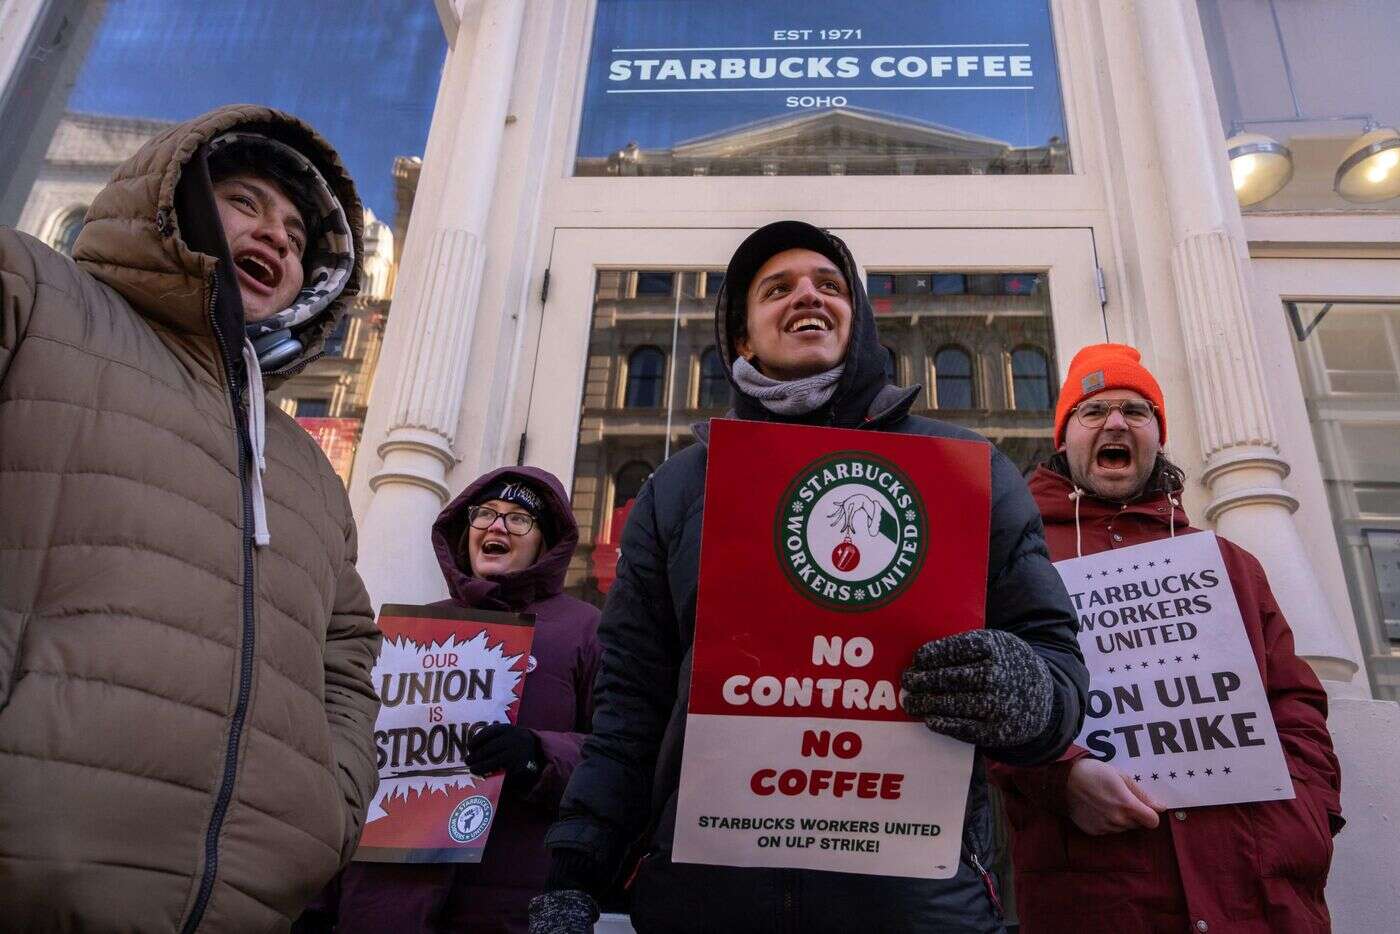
(564, 911)
(985, 687)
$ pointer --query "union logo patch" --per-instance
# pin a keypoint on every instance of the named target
(470, 819)
(850, 531)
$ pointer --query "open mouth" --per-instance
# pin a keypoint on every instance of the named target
(809, 324)
(258, 269)
(494, 547)
(1113, 456)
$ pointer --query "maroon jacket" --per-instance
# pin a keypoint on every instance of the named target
(1244, 868)
(557, 705)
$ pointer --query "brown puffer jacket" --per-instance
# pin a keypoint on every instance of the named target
(185, 718)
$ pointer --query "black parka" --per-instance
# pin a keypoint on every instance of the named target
(624, 789)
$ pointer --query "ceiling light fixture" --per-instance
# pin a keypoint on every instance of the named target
(1259, 166)
(1370, 170)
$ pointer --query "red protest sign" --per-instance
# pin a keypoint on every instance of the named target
(443, 672)
(827, 557)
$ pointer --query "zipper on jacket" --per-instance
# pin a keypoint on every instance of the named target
(988, 883)
(789, 900)
(245, 663)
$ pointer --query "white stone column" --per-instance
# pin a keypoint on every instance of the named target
(1243, 468)
(431, 322)
(43, 44)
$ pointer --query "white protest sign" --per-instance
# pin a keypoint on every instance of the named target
(1175, 698)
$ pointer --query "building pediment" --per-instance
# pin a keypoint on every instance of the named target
(837, 131)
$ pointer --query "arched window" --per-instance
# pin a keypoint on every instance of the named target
(645, 369)
(628, 482)
(714, 383)
(952, 379)
(1030, 380)
(891, 365)
(65, 233)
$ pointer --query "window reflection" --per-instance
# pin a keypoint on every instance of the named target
(1350, 366)
(654, 283)
(714, 382)
(368, 84)
(1030, 379)
(891, 365)
(644, 369)
(67, 230)
(952, 367)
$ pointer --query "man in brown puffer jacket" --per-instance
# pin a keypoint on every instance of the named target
(185, 646)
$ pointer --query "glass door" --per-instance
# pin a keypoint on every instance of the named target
(984, 320)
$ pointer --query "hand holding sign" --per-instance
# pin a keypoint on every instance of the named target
(1103, 800)
(985, 687)
(504, 747)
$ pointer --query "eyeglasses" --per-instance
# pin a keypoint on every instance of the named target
(1134, 411)
(517, 523)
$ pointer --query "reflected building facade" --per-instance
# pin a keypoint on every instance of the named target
(833, 141)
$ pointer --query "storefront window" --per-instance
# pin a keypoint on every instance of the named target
(1307, 99)
(366, 79)
(653, 371)
(733, 87)
(1349, 358)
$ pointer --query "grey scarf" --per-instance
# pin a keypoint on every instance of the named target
(787, 397)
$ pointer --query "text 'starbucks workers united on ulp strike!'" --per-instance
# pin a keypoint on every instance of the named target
(1176, 698)
(854, 548)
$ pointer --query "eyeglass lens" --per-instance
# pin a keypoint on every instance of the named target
(517, 523)
(1094, 414)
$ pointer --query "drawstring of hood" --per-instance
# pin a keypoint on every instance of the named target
(787, 397)
(1076, 494)
(1075, 497)
(257, 442)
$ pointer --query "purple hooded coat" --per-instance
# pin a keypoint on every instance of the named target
(557, 705)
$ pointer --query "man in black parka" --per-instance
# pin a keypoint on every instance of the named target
(797, 330)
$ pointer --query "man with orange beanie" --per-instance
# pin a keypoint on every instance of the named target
(1092, 849)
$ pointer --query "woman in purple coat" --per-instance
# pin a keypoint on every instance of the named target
(503, 544)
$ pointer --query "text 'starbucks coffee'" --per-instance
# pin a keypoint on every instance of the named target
(850, 531)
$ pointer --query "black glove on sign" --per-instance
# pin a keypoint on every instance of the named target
(503, 747)
(985, 687)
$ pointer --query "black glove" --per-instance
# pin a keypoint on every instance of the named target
(503, 747)
(564, 911)
(985, 687)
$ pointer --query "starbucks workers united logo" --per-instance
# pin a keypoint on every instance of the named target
(851, 531)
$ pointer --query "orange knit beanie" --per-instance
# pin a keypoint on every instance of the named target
(1107, 366)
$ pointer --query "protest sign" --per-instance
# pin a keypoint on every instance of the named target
(1175, 697)
(820, 574)
(442, 674)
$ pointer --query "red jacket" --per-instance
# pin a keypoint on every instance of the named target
(1247, 868)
